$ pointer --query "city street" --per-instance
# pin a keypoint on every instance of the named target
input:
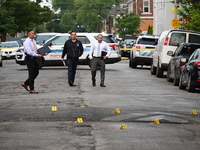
(47, 121)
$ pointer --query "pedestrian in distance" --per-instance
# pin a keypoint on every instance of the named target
(31, 56)
(99, 52)
(73, 48)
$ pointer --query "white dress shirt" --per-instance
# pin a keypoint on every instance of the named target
(103, 47)
(29, 47)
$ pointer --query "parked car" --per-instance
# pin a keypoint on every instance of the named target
(168, 41)
(185, 50)
(9, 49)
(18, 40)
(143, 57)
(40, 38)
(56, 45)
(128, 43)
(190, 73)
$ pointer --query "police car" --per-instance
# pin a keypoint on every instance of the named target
(8, 49)
(143, 56)
(57, 42)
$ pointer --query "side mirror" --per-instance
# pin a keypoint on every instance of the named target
(49, 44)
(170, 53)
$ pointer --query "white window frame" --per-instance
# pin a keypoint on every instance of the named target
(148, 1)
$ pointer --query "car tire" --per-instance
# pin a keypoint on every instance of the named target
(1, 63)
(130, 63)
(153, 69)
(181, 86)
(133, 65)
(176, 81)
(190, 87)
(159, 71)
(168, 74)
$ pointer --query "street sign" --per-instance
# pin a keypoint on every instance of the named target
(175, 23)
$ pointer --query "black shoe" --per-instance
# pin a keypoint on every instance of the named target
(93, 83)
(72, 85)
(102, 85)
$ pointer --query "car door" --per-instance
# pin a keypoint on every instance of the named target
(173, 60)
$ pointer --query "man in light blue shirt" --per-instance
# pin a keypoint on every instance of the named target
(30, 50)
(99, 52)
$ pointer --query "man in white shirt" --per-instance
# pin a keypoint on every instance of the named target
(99, 52)
(30, 49)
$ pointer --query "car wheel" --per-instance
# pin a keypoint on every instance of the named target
(190, 87)
(181, 86)
(153, 69)
(1, 63)
(130, 63)
(159, 72)
(168, 74)
(176, 81)
(133, 65)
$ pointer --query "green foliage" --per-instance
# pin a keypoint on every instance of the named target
(20, 15)
(84, 13)
(150, 30)
(127, 24)
(190, 11)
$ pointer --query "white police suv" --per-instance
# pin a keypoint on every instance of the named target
(56, 44)
(143, 56)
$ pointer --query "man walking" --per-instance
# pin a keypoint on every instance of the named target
(74, 49)
(99, 52)
(30, 49)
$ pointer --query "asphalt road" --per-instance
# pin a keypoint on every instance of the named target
(27, 122)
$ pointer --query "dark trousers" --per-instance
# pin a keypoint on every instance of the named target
(95, 62)
(33, 71)
(72, 65)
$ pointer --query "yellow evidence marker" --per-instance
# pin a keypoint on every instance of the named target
(79, 120)
(54, 108)
(123, 126)
(193, 112)
(117, 110)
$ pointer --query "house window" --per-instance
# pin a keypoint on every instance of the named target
(146, 6)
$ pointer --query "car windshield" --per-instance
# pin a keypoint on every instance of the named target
(59, 40)
(129, 41)
(147, 41)
(107, 39)
(9, 45)
(188, 50)
(41, 38)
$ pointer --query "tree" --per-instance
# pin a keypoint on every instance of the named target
(150, 30)
(127, 24)
(82, 15)
(28, 16)
(190, 12)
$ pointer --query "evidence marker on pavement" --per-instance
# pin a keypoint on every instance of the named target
(117, 110)
(79, 120)
(54, 108)
(156, 121)
(123, 126)
(193, 112)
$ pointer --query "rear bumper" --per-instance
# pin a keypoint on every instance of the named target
(142, 60)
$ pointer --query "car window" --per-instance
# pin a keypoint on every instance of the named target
(194, 38)
(188, 50)
(107, 39)
(8, 45)
(177, 38)
(147, 41)
(60, 40)
(40, 38)
(193, 56)
(83, 39)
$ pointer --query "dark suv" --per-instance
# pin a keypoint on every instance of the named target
(184, 50)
